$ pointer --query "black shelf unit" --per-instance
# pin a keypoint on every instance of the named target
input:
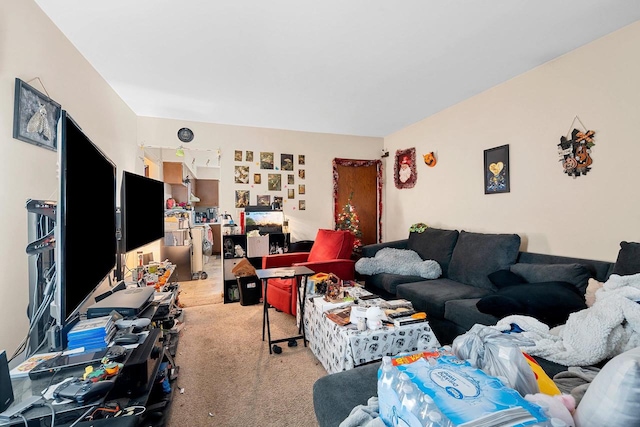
(230, 259)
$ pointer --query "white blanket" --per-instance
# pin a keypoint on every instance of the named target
(608, 328)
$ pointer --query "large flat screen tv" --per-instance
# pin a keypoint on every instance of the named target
(141, 210)
(86, 244)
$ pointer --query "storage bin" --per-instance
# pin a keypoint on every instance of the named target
(250, 290)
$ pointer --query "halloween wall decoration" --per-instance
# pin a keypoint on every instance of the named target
(496, 170)
(404, 168)
(430, 159)
(575, 151)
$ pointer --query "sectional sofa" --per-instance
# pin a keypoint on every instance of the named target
(475, 267)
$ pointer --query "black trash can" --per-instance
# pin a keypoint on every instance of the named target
(250, 290)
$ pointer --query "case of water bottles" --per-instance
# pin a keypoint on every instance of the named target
(436, 389)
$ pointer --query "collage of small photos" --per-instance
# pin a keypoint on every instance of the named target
(267, 179)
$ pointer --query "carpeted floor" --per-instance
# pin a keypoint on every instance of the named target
(229, 378)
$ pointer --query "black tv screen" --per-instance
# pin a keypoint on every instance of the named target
(86, 219)
(142, 210)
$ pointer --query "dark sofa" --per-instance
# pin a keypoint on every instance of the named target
(467, 259)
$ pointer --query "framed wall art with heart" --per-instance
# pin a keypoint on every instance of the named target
(496, 170)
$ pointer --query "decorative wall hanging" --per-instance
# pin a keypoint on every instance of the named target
(35, 116)
(263, 200)
(290, 179)
(242, 174)
(242, 198)
(302, 205)
(301, 189)
(405, 174)
(575, 150)
(274, 182)
(301, 159)
(291, 193)
(496, 170)
(286, 162)
(301, 173)
(257, 178)
(249, 156)
(237, 156)
(266, 160)
(429, 159)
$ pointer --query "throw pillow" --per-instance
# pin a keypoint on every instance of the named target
(504, 278)
(549, 302)
(576, 274)
(476, 255)
(592, 288)
(435, 244)
(613, 397)
(628, 261)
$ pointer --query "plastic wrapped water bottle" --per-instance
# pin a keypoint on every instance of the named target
(387, 374)
(410, 398)
(434, 419)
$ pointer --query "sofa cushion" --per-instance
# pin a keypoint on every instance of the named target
(576, 274)
(430, 296)
(435, 244)
(476, 255)
(504, 278)
(628, 261)
(549, 302)
(389, 282)
(464, 313)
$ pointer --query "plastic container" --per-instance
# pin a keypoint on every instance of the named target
(250, 290)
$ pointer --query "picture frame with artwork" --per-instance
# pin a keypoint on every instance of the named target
(274, 182)
(35, 116)
(286, 162)
(257, 178)
(302, 205)
(405, 173)
(497, 170)
(301, 189)
(263, 200)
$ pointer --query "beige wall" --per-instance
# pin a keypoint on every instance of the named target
(31, 46)
(319, 150)
(555, 214)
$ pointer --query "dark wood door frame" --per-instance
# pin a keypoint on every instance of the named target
(357, 163)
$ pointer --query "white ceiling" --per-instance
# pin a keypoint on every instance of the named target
(356, 67)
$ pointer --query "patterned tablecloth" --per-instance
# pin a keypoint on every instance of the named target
(339, 348)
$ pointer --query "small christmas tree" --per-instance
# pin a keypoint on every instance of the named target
(348, 220)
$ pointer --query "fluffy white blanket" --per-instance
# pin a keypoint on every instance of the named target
(399, 261)
(609, 327)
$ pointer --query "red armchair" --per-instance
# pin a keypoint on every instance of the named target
(330, 253)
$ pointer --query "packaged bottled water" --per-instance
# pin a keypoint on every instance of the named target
(410, 398)
(387, 374)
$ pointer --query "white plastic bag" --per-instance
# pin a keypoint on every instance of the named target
(497, 354)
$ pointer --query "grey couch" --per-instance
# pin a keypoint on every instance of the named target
(451, 301)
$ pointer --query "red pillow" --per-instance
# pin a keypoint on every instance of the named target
(331, 244)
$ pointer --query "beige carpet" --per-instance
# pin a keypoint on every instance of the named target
(230, 379)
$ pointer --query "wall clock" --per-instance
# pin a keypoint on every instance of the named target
(185, 135)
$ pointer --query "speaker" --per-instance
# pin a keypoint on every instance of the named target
(6, 389)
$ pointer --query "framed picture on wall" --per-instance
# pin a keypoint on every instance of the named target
(263, 200)
(301, 189)
(242, 198)
(496, 170)
(286, 162)
(274, 182)
(35, 117)
(257, 178)
(302, 205)
(249, 156)
(266, 160)
(237, 155)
